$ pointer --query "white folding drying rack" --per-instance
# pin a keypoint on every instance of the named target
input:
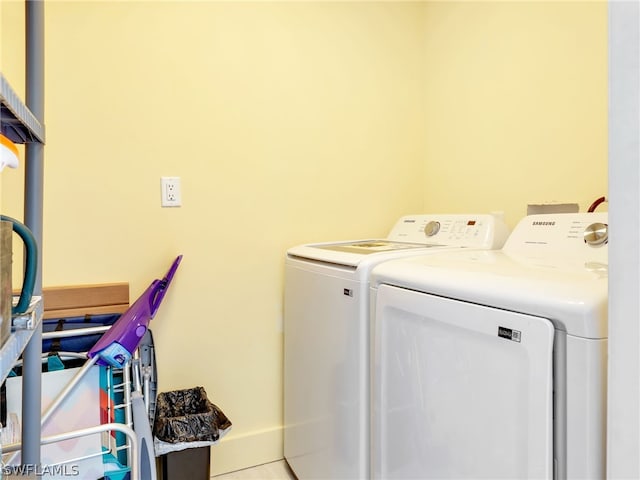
(121, 389)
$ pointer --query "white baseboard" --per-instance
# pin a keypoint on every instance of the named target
(235, 452)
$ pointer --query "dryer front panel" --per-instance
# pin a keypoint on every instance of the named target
(460, 390)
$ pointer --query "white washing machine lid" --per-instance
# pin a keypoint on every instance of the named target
(568, 291)
(367, 247)
(428, 232)
(358, 252)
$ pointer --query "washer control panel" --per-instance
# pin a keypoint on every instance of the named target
(479, 230)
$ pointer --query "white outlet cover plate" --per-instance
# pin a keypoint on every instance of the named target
(170, 192)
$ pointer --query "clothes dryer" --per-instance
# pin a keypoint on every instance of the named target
(492, 364)
(327, 337)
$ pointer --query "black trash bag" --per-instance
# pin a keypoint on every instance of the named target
(188, 416)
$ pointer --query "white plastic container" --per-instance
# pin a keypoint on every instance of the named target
(8, 153)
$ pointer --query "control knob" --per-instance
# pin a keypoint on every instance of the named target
(431, 228)
(596, 234)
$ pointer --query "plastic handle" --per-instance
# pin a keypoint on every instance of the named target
(31, 264)
(160, 287)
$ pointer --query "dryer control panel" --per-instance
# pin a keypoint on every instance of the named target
(558, 233)
(464, 230)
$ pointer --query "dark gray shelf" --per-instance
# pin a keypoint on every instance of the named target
(17, 122)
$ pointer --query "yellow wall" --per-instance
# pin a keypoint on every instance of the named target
(291, 122)
(12, 44)
(282, 119)
(516, 98)
(12, 59)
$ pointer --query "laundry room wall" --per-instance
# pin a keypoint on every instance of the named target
(291, 122)
(11, 58)
(288, 122)
(516, 98)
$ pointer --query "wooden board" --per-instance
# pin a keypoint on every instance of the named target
(78, 300)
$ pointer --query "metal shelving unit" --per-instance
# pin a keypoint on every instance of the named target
(24, 327)
(18, 123)
(23, 124)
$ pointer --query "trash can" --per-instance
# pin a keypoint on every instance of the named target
(192, 463)
(187, 423)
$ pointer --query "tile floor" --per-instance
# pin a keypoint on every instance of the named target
(269, 471)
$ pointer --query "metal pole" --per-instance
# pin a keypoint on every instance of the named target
(34, 170)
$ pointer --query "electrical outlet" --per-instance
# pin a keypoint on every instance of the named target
(170, 192)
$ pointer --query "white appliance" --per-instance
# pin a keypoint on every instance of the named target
(327, 337)
(492, 364)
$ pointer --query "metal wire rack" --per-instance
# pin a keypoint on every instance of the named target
(118, 438)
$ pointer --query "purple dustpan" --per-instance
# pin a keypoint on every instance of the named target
(117, 345)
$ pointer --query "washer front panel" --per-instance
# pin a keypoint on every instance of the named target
(326, 380)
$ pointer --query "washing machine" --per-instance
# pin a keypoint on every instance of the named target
(492, 364)
(327, 337)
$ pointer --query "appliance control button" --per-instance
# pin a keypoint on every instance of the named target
(596, 234)
(431, 228)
